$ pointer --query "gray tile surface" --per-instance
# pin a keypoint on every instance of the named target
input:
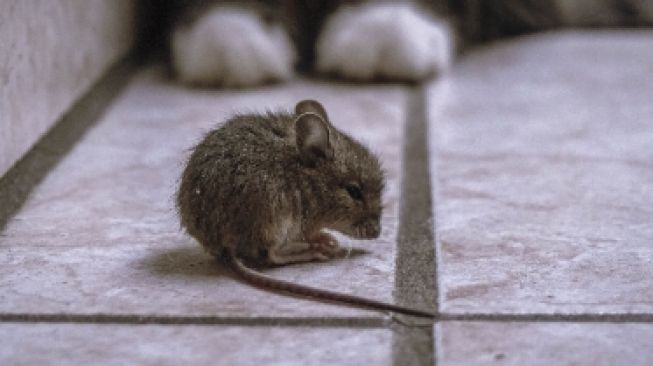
(542, 161)
(89, 344)
(491, 343)
(100, 234)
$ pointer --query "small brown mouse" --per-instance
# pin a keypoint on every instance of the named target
(261, 188)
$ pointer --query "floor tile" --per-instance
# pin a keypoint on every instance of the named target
(89, 344)
(491, 343)
(542, 166)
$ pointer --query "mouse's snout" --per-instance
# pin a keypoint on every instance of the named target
(369, 229)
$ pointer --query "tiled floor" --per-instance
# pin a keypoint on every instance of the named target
(538, 211)
(106, 235)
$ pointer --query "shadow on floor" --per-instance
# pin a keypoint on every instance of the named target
(188, 261)
(192, 261)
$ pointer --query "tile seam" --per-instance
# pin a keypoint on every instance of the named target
(415, 284)
(135, 319)
(550, 317)
(362, 322)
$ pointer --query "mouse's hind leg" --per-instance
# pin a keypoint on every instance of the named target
(321, 249)
(294, 252)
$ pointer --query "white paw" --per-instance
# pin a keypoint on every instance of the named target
(387, 40)
(231, 47)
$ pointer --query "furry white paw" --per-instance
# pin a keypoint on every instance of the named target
(231, 47)
(387, 40)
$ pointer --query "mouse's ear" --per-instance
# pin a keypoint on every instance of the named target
(311, 106)
(312, 136)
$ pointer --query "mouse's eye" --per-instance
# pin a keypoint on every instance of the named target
(354, 191)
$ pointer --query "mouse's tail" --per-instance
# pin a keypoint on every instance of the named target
(261, 280)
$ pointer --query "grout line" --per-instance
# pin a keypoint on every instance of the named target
(354, 322)
(17, 184)
(415, 284)
(415, 263)
(351, 322)
(553, 317)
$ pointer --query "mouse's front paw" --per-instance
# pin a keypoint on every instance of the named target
(231, 47)
(326, 245)
(386, 41)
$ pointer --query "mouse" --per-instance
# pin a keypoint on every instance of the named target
(265, 189)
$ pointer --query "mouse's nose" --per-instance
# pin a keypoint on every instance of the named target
(372, 229)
